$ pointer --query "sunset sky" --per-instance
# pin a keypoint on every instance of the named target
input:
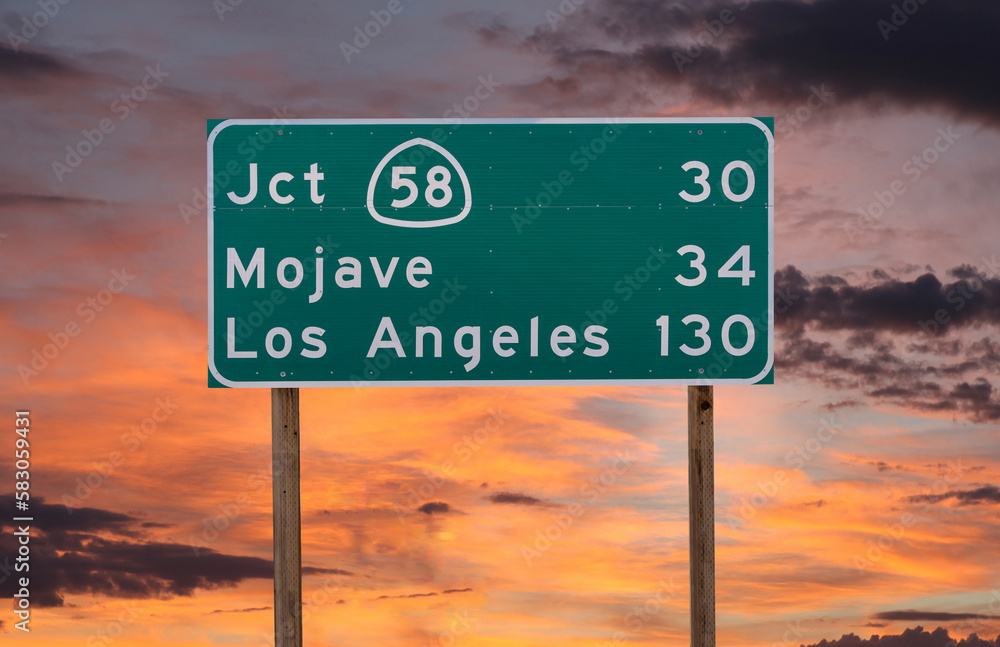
(859, 494)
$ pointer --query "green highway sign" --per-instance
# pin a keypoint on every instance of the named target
(490, 251)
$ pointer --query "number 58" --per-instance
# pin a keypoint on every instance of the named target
(438, 179)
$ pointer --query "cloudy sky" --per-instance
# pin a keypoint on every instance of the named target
(858, 494)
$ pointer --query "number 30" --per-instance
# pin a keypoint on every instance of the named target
(702, 180)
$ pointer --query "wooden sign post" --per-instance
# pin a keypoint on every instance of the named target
(287, 518)
(288, 523)
(701, 500)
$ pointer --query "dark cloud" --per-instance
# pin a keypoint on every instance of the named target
(489, 28)
(421, 595)
(884, 375)
(434, 507)
(951, 347)
(779, 50)
(842, 404)
(882, 466)
(932, 616)
(978, 392)
(514, 498)
(830, 280)
(21, 200)
(915, 637)
(855, 337)
(30, 65)
(405, 597)
(943, 469)
(866, 339)
(977, 496)
(93, 551)
(924, 305)
(248, 610)
(964, 272)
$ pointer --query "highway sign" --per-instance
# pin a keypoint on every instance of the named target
(490, 251)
